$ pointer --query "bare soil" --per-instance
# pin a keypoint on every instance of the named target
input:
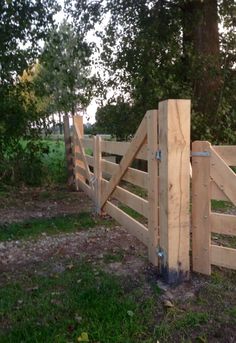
(26, 204)
(113, 249)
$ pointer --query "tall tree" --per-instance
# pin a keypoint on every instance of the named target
(23, 24)
(65, 73)
(159, 49)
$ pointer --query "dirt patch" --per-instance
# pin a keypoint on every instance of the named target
(92, 245)
(25, 204)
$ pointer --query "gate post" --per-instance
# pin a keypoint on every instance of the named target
(97, 155)
(153, 217)
(68, 149)
(76, 150)
(201, 208)
(174, 175)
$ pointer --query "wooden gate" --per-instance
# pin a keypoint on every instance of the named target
(212, 179)
(163, 140)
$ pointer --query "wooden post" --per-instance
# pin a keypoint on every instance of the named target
(174, 133)
(201, 209)
(77, 162)
(68, 149)
(97, 172)
(152, 142)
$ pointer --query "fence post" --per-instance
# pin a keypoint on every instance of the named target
(97, 172)
(77, 162)
(68, 149)
(174, 140)
(152, 143)
(201, 209)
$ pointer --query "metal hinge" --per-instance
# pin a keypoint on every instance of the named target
(200, 154)
(158, 155)
(160, 252)
(92, 180)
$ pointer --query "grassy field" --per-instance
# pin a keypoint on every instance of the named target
(85, 300)
(82, 302)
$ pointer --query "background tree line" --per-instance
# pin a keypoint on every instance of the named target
(153, 50)
(143, 52)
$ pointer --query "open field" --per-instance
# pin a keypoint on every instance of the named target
(77, 277)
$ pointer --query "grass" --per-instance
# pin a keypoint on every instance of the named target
(50, 226)
(220, 205)
(131, 212)
(59, 308)
(54, 163)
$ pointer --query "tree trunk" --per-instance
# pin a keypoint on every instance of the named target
(202, 53)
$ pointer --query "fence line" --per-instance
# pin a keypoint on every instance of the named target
(163, 140)
(212, 179)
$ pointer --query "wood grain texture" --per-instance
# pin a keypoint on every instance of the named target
(174, 133)
(131, 200)
(227, 153)
(127, 159)
(133, 226)
(97, 172)
(223, 176)
(153, 186)
(223, 223)
(223, 257)
(77, 149)
(134, 176)
(201, 209)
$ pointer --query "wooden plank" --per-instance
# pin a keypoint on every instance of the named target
(77, 150)
(84, 187)
(227, 153)
(80, 171)
(81, 148)
(134, 176)
(89, 159)
(223, 257)
(133, 226)
(68, 150)
(201, 208)
(127, 159)
(132, 200)
(174, 133)
(153, 191)
(223, 223)
(217, 193)
(97, 172)
(223, 176)
(87, 143)
(120, 148)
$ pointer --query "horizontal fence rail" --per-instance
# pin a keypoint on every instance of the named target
(212, 179)
(158, 195)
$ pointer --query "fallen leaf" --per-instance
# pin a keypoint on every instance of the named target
(168, 303)
(83, 337)
(70, 266)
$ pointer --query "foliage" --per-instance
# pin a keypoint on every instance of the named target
(113, 119)
(50, 226)
(33, 162)
(23, 24)
(64, 74)
(151, 50)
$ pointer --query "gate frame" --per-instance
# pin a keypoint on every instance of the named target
(168, 151)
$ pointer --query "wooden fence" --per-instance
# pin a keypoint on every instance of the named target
(212, 179)
(163, 140)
